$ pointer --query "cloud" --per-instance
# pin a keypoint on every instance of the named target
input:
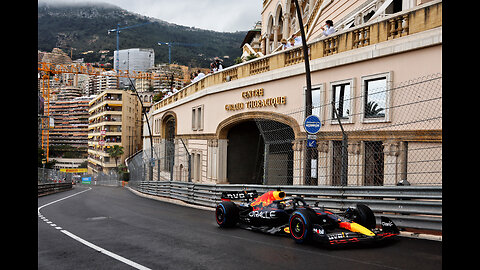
(217, 15)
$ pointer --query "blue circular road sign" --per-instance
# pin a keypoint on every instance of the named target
(312, 124)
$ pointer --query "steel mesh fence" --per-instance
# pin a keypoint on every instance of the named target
(56, 176)
(52, 176)
(392, 135)
(170, 162)
(106, 179)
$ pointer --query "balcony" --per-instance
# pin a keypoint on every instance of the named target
(106, 106)
(104, 119)
(113, 98)
(393, 26)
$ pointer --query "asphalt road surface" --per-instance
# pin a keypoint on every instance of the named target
(112, 228)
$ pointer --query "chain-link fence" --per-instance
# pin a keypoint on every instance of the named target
(382, 134)
(52, 176)
(56, 176)
(106, 179)
(170, 162)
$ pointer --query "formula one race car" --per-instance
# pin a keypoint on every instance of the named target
(275, 213)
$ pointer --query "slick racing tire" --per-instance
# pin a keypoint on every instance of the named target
(365, 216)
(300, 226)
(226, 214)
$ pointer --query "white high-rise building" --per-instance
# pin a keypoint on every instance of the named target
(135, 59)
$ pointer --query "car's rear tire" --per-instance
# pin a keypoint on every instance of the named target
(226, 214)
(300, 226)
(365, 216)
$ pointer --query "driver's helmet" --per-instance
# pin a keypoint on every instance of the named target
(287, 203)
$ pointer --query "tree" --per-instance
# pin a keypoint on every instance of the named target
(115, 152)
(238, 60)
(251, 56)
(371, 109)
(158, 97)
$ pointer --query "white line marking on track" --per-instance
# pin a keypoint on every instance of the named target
(85, 242)
(38, 210)
(104, 251)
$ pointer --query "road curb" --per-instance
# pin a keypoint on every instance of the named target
(421, 236)
(169, 200)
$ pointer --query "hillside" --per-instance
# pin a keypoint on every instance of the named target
(84, 27)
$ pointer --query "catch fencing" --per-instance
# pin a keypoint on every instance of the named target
(384, 134)
(50, 176)
(416, 207)
(106, 179)
(171, 162)
(50, 188)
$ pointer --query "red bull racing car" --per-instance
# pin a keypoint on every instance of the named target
(275, 213)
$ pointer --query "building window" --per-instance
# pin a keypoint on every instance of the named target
(342, 97)
(197, 118)
(197, 165)
(194, 121)
(317, 100)
(376, 97)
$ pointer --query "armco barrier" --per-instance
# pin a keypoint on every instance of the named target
(45, 189)
(418, 207)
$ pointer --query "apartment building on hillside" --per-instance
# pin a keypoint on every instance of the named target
(69, 110)
(114, 119)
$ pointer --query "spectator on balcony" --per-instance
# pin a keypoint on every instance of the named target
(219, 64)
(199, 76)
(291, 42)
(298, 40)
(213, 67)
(330, 30)
(284, 44)
(192, 77)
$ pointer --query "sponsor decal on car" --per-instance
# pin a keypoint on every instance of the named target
(262, 214)
(387, 224)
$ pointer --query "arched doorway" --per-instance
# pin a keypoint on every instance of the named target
(245, 154)
(270, 35)
(169, 136)
(279, 25)
(260, 152)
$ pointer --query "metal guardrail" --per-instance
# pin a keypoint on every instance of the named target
(418, 207)
(49, 188)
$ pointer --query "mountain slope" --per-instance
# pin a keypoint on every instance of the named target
(84, 27)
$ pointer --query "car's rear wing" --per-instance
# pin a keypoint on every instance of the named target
(244, 195)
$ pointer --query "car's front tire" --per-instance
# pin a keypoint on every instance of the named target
(300, 226)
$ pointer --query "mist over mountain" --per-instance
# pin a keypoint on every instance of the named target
(84, 27)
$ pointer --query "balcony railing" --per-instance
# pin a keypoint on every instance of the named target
(422, 18)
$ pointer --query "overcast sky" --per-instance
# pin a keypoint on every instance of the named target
(217, 15)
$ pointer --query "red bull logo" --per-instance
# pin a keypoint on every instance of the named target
(267, 198)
